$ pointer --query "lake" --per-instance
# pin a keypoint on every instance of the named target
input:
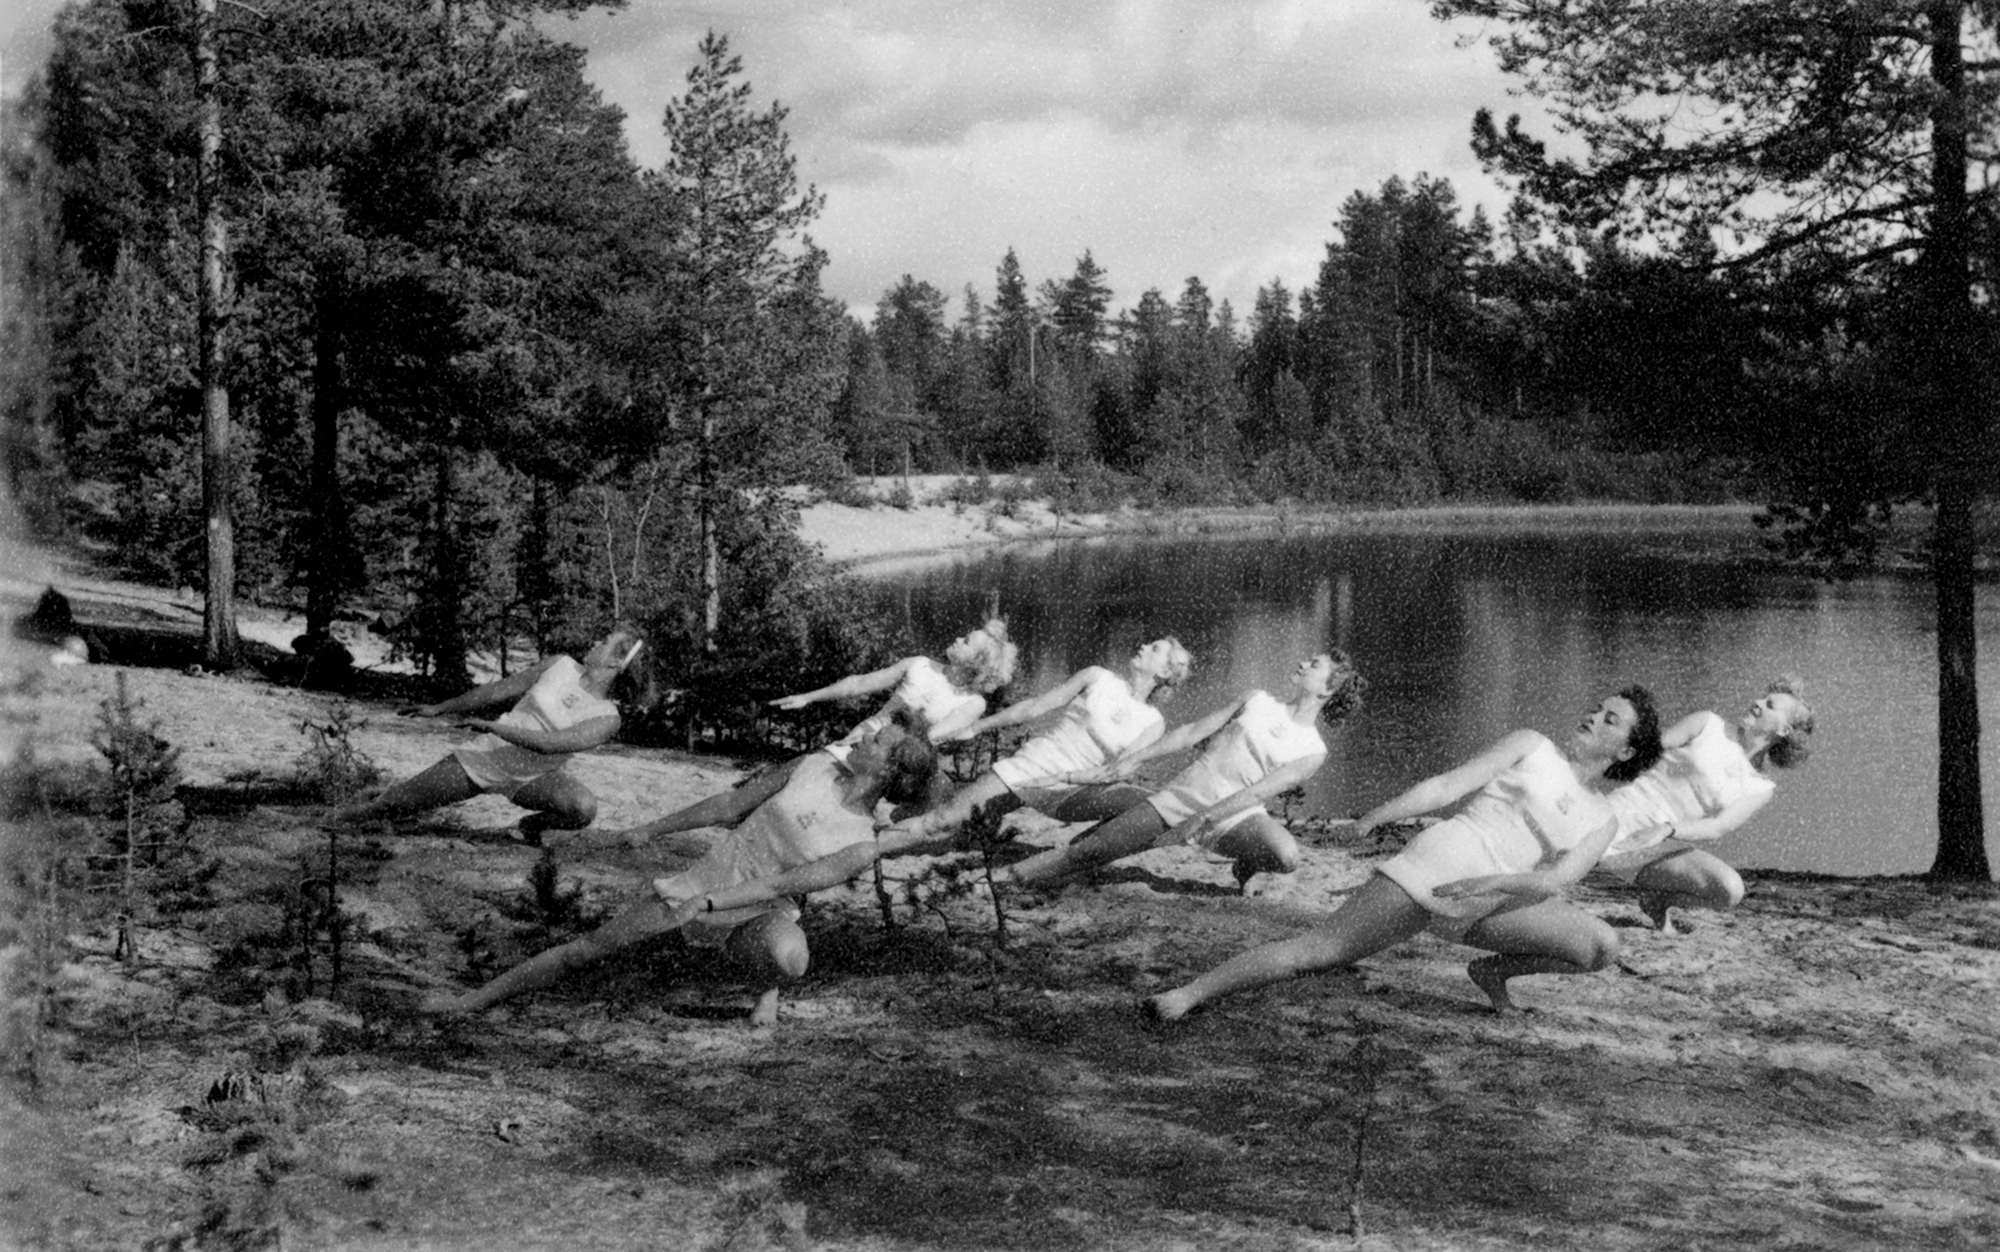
(1467, 631)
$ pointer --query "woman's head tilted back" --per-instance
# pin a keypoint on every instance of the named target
(1642, 742)
(1168, 660)
(983, 660)
(1791, 722)
(911, 760)
(1331, 676)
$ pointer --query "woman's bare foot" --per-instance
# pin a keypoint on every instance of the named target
(443, 1004)
(1659, 911)
(1486, 975)
(1170, 1006)
(765, 1015)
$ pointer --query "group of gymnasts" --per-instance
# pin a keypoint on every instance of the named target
(1618, 791)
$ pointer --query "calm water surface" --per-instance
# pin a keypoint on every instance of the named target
(1467, 634)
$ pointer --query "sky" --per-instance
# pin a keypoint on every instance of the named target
(1169, 138)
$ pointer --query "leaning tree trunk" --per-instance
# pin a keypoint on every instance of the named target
(220, 644)
(1946, 276)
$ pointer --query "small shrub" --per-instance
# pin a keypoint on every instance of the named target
(145, 828)
(901, 498)
(332, 770)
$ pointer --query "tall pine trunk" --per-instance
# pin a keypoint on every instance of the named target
(1946, 275)
(221, 647)
(325, 564)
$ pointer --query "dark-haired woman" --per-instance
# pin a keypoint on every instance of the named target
(1254, 749)
(1489, 877)
(1708, 782)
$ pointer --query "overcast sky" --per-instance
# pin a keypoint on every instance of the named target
(1171, 138)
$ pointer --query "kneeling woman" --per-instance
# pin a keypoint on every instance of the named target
(1099, 716)
(1488, 877)
(1253, 750)
(949, 697)
(824, 807)
(556, 709)
(1708, 783)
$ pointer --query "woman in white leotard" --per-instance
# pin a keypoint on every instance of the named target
(949, 697)
(1708, 782)
(1489, 877)
(555, 709)
(1254, 748)
(1096, 716)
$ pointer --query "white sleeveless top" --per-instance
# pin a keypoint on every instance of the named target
(924, 688)
(1099, 722)
(1260, 738)
(557, 701)
(802, 823)
(1698, 779)
(1536, 810)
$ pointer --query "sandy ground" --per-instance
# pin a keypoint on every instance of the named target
(1818, 1070)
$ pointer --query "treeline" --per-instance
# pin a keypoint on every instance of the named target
(491, 379)
(1433, 356)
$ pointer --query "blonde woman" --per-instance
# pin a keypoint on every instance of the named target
(1253, 749)
(948, 697)
(1710, 780)
(1095, 716)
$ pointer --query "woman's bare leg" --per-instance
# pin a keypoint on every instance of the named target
(1379, 915)
(1550, 937)
(639, 922)
(775, 951)
(558, 801)
(443, 783)
(1127, 834)
(1259, 845)
(1689, 878)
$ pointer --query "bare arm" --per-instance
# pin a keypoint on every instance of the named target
(1180, 737)
(585, 735)
(1286, 776)
(848, 688)
(1540, 884)
(828, 871)
(501, 691)
(1721, 823)
(1441, 789)
(1030, 709)
(1682, 732)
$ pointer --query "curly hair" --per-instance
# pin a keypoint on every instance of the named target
(1345, 701)
(1180, 663)
(1794, 746)
(913, 761)
(1644, 739)
(992, 667)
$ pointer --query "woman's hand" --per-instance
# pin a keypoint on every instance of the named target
(1465, 888)
(790, 704)
(1192, 829)
(477, 725)
(418, 710)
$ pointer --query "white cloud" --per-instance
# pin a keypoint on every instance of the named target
(1170, 137)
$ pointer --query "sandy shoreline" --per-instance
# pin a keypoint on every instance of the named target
(885, 538)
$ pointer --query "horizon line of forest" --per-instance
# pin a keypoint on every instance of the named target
(476, 367)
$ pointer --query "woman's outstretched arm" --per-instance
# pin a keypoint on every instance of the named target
(1034, 707)
(499, 692)
(1441, 789)
(1278, 781)
(850, 687)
